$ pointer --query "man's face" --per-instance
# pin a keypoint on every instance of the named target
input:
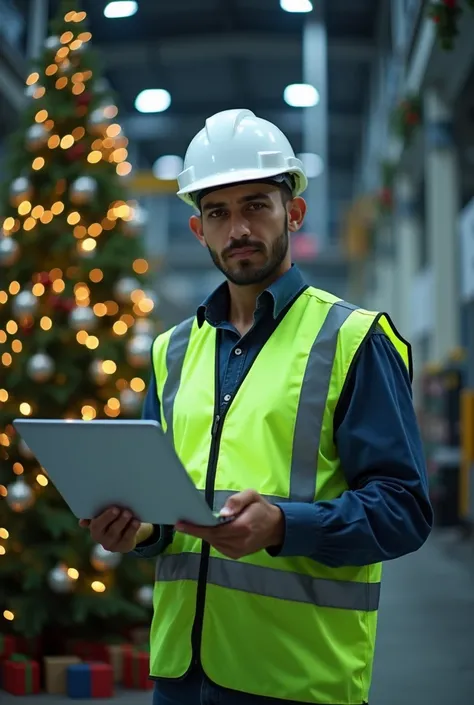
(246, 230)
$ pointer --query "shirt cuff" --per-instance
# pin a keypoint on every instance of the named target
(303, 530)
(154, 544)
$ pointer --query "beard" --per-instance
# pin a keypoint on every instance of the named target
(244, 272)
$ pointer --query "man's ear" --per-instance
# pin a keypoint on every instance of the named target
(195, 225)
(296, 213)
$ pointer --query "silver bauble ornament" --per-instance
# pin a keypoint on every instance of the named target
(124, 288)
(52, 43)
(98, 122)
(144, 326)
(102, 560)
(83, 190)
(25, 304)
(25, 450)
(20, 496)
(85, 254)
(83, 318)
(145, 596)
(136, 223)
(36, 137)
(59, 581)
(40, 367)
(31, 91)
(130, 401)
(9, 251)
(97, 373)
(20, 190)
(139, 350)
(151, 296)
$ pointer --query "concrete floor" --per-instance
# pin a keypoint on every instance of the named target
(425, 650)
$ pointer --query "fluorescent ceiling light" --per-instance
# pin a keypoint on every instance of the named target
(120, 8)
(153, 100)
(301, 95)
(313, 164)
(168, 167)
(296, 5)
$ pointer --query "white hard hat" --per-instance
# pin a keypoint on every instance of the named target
(236, 146)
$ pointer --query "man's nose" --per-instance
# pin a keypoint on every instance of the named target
(239, 227)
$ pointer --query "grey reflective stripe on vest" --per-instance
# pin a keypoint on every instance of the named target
(312, 404)
(177, 346)
(269, 582)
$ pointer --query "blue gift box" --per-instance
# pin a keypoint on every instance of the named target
(90, 680)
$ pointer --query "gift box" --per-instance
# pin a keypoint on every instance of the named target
(8, 646)
(55, 673)
(20, 675)
(136, 670)
(88, 650)
(90, 680)
(116, 658)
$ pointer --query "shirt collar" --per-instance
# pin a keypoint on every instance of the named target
(214, 309)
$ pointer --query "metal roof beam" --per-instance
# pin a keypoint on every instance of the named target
(240, 45)
(141, 128)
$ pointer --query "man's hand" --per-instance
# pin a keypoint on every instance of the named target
(117, 530)
(257, 525)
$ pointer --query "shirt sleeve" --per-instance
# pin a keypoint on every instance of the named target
(162, 535)
(386, 513)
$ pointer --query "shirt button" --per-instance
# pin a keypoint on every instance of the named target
(227, 397)
(238, 351)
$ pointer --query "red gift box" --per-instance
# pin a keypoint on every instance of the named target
(117, 653)
(136, 670)
(89, 650)
(21, 676)
(8, 646)
(102, 680)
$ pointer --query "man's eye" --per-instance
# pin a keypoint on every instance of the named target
(256, 206)
(216, 214)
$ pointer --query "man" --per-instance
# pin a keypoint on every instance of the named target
(292, 412)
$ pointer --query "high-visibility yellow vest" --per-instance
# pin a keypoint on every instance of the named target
(288, 628)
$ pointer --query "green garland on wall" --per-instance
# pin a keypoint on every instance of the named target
(446, 14)
(407, 118)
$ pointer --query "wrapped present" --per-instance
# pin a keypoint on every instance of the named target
(136, 671)
(140, 636)
(88, 650)
(21, 676)
(8, 646)
(117, 653)
(55, 672)
(90, 680)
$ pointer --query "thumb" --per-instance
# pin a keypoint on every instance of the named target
(84, 523)
(238, 502)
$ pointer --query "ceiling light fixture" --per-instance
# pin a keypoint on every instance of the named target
(168, 167)
(301, 95)
(296, 5)
(313, 164)
(153, 100)
(120, 8)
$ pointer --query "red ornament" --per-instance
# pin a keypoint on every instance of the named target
(84, 99)
(76, 152)
(413, 119)
(386, 197)
(44, 278)
(436, 19)
(451, 4)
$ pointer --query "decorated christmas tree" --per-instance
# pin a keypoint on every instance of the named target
(76, 328)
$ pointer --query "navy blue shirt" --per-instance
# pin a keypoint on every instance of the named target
(387, 512)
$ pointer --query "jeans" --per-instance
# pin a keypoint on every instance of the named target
(195, 689)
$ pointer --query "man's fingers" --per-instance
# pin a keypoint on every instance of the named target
(101, 523)
(238, 502)
(84, 523)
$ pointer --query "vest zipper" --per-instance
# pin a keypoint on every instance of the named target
(196, 633)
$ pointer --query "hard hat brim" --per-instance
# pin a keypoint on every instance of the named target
(236, 177)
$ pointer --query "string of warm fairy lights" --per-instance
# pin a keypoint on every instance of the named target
(110, 145)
